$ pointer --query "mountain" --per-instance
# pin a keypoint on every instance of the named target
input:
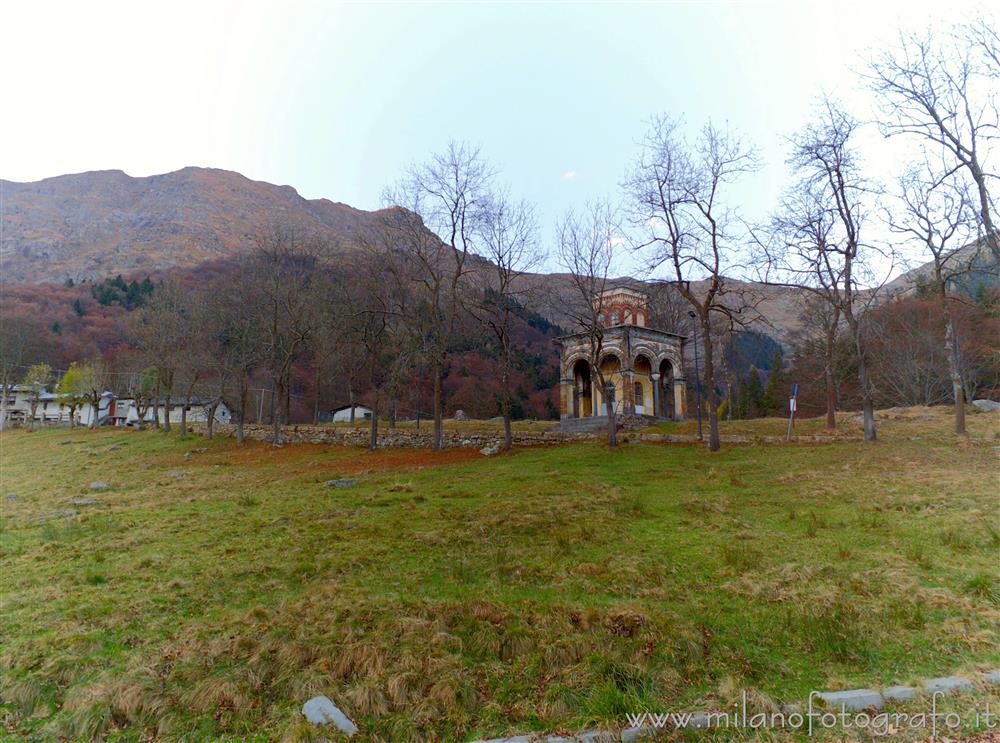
(973, 262)
(98, 224)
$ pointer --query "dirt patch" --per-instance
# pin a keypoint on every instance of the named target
(346, 458)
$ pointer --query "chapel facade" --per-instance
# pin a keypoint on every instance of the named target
(644, 365)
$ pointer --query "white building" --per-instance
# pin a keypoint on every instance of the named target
(343, 415)
(126, 412)
(112, 410)
(49, 409)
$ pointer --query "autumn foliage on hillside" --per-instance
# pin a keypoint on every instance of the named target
(68, 322)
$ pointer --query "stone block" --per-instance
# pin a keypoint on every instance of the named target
(947, 685)
(900, 693)
(853, 699)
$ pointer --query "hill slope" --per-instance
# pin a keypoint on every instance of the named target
(92, 225)
(98, 224)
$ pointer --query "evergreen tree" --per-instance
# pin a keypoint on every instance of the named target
(777, 386)
(751, 396)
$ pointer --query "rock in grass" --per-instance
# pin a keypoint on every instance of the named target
(321, 711)
(986, 406)
(947, 685)
(340, 482)
(11, 496)
(992, 677)
(83, 501)
(99, 485)
(490, 451)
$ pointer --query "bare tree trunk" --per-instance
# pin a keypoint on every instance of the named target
(713, 402)
(210, 422)
(184, 413)
(272, 405)
(242, 415)
(508, 435)
(3, 406)
(31, 418)
(438, 442)
(373, 427)
(392, 412)
(316, 396)
(831, 398)
(609, 409)
(166, 411)
(286, 414)
(95, 410)
(867, 404)
(831, 395)
(276, 410)
(992, 236)
(954, 369)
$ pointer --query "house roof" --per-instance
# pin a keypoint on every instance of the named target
(348, 407)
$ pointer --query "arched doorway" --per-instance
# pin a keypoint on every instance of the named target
(643, 394)
(583, 405)
(666, 383)
(611, 370)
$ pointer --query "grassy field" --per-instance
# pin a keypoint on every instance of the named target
(212, 589)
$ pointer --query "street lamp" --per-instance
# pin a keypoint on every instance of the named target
(697, 374)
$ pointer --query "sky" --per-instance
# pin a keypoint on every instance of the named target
(337, 99)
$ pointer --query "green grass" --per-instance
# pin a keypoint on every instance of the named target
(449, 596)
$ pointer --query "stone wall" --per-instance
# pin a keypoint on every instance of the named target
(394, 437)
(390, 438)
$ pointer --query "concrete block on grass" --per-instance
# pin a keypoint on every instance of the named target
(853, 699)
(900, 693)
(947, 685)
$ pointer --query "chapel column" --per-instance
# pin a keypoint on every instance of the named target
(680, 398)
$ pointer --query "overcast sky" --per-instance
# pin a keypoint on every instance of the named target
(336, 99)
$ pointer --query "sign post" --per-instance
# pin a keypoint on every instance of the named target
(791, 410)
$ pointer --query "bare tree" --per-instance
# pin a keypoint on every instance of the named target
(162, 333)
(690, 233)
(586, 249)
(17, 346)
(283, 289)
(94, 379)
(509, 232)
(801, 244)
(433, 236)
(235, 339)
(824, 158)
(36, 380)
(942, 90)
(939, 217)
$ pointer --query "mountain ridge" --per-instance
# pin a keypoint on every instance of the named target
(100, 223)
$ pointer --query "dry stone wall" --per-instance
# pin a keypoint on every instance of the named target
(394, 437)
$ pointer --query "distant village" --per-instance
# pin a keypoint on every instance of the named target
(112, 410)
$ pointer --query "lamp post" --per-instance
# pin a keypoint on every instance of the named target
(697, 374)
